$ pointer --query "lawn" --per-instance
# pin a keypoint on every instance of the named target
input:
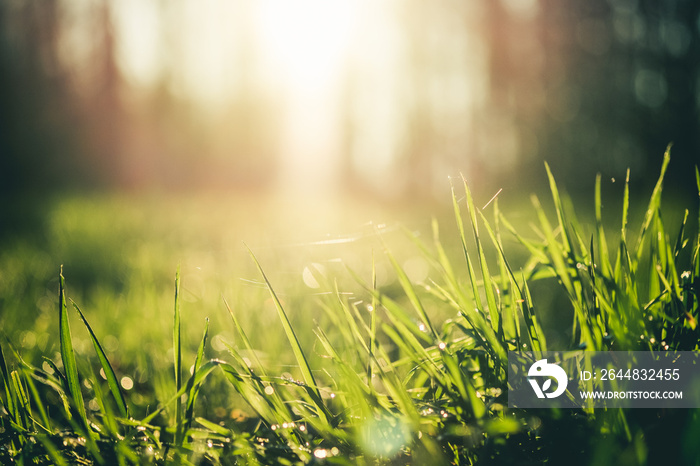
(206, 330)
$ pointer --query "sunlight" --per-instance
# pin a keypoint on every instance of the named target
(304, 46)
(306, 40)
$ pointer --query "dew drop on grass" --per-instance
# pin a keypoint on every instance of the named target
(442, 346)
(320, 453)
(127, 383)
(269, 390)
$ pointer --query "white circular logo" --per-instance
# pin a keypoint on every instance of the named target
(542, 368)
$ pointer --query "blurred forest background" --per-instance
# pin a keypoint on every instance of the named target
(384, 99)
(177, 129)
(136, 135)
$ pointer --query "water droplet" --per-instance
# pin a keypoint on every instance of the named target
(442, 346)
(652, 340)
(127, 383)
(320, 453)
(302, 428)
(269, 390)
(332, 395)
(335, 451)
(370, 308)
(210, 443)
(421, 327)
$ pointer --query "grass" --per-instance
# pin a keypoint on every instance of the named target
(412, 372)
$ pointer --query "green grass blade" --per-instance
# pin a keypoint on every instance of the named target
(9, 402)
(194, 389)
(108, 414)
(281, 409)
(410, 291)
(559, 207)
(24, 412)
(112, 380)
(603, 254)
(244, 339)
(372, 324)
(177, 353)
(198, 377)
(68, 355)
(296, 346)
(654, 204)
(38, 402)
(489, 286)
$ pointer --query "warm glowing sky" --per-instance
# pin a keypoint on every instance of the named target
(308, 56)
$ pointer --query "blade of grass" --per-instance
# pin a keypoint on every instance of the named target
(106, 367)
(9, 403)
(296, 346)
(177, 354)
(654, 204)
(198, 377)
(485, 274)
(558, 206)
(194, 389)
(68, 355)
(410, 291)
(280, 408)
(603, 255)
(373, 325)
(38, 402)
